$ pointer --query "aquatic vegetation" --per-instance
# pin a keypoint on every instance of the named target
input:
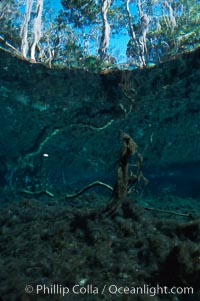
(74, 211)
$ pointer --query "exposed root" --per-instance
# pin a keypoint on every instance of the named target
(96, 183)
(39, 192)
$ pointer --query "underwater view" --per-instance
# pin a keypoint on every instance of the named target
(99, 150)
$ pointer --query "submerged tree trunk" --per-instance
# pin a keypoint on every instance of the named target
(105, 30)
(128, 149)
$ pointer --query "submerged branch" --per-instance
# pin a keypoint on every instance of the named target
(96, 183)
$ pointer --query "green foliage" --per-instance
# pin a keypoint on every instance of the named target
(8, 18)
(92, 63)
(165, 41)
(80, 12)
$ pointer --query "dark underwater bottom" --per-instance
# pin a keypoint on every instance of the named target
(58, 250)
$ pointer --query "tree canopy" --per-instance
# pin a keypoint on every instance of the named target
(101, 33)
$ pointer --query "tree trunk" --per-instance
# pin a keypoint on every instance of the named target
(24, 28)
(105, 30)
(37, 27)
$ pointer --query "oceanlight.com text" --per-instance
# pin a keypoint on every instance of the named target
(112, 289)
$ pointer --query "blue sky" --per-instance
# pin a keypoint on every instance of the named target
(56, 5)
(116, 43)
